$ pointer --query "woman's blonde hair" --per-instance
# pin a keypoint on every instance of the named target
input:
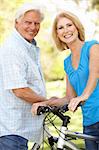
(81, 32)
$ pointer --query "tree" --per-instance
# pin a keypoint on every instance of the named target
(95, 4)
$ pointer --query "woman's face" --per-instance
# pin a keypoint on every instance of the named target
(66, 30)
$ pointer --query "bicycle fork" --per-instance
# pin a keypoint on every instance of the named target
(64, 143)
(61, 140)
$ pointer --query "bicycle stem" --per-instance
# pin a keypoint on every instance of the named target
(61, 140)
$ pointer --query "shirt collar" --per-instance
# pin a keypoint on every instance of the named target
(18, 36)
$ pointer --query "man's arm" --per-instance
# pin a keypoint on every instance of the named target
(28, 95)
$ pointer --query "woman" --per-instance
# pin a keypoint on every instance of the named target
(82, 73)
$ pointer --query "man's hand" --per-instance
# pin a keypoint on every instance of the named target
(55, 101)
(35, 107)
(45, 103)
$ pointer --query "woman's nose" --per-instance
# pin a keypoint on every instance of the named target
(65, 29)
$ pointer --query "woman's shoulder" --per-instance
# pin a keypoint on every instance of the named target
(89, 45)
(91, 42)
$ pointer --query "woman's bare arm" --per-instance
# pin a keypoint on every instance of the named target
(93, 71)
(92, 79)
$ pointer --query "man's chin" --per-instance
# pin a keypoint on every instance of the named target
(28, 40)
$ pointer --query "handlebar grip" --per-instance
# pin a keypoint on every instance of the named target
(64, 108)
(42, 109)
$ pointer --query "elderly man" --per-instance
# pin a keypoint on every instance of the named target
(21, 82)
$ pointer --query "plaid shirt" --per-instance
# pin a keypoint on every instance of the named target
(19, 67)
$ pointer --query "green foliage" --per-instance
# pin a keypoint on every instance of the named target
(53, 63)
(95, 4)
(53, 68)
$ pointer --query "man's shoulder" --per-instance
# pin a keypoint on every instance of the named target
(12, 46)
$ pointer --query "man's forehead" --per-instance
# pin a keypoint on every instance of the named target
(29, 7)
(32, 15)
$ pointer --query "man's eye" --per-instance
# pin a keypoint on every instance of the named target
(27, 22)
(37, 23)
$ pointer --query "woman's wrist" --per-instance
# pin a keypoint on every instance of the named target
(84, 97)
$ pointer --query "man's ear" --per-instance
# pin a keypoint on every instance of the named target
(16, 22)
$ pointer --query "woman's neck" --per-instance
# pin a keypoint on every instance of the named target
(76, 46)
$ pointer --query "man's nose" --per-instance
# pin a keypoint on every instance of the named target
(33, 25)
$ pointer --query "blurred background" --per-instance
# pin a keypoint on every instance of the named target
(51, 58)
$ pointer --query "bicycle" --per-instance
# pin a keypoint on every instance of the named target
(64, 140)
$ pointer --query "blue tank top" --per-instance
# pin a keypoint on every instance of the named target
(78, 79)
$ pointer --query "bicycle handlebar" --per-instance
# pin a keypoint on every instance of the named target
(56, 111)
(44, 109)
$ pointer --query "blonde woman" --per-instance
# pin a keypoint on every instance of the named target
(82, 72)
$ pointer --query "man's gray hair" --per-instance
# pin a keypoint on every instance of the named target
(28, 7)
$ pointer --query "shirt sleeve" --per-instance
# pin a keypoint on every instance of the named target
(14, 71)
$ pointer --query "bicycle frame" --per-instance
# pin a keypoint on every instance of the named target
(65, 136)
(64, 142)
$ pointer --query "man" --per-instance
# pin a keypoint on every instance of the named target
(21, 82)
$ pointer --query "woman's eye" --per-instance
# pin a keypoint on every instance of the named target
(59, 28)
(68, 25)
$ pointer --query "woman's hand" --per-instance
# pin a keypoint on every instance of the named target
(74, 102)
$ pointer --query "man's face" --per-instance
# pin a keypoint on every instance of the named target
(28, 25)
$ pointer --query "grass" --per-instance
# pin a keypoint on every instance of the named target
(57, 88)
